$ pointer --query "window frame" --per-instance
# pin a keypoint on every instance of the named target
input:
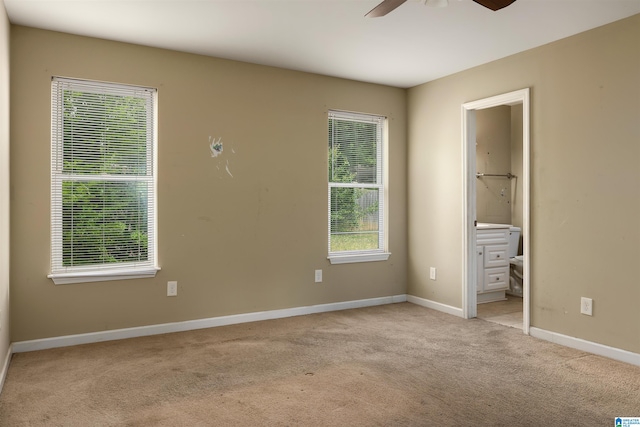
(104, 271)
(367, 255)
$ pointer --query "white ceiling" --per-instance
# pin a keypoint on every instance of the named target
(412, 45)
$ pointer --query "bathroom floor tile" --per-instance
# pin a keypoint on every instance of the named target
(507, 313)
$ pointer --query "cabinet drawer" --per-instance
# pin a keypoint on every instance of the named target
(492, 236)
(496, 279)
(496, 256)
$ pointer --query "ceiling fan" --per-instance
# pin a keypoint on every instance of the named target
(389, 5)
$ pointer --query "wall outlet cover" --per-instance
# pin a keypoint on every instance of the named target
(172, 289)
(586, 306)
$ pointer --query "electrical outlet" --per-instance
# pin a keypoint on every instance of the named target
(318, 276)
(172, 289)
(586, 306)
(432, 273)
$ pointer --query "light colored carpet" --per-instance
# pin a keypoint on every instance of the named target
(392, 365)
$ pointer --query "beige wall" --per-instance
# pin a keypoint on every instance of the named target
(4, 187)
(493, 156)
(242, 243)
(585, 180)
(251, 242)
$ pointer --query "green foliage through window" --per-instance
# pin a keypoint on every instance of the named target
(103, 222)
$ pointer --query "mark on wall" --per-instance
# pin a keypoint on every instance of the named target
(216, 147)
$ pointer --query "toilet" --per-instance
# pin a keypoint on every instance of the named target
(516, 263)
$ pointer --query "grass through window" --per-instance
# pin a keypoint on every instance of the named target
(354, 242)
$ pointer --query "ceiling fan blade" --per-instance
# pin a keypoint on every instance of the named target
(494, 4)
(383, 8)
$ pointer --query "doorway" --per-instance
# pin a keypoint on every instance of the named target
(470, 260)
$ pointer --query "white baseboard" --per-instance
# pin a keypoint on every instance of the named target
(70, 340)
(117, 334)
(5, 366)
(588, 346)
(435, 305)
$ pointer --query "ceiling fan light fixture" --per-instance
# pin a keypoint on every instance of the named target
(390, 5)
(437, 3)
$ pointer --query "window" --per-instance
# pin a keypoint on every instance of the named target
(356, 188)
(103, 181)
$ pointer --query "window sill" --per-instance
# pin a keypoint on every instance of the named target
(352, 258)
(102, 276)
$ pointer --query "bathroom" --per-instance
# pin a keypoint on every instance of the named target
(499, 166)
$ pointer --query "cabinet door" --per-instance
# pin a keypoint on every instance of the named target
(496, 256)
(480, 267)
(496, 279)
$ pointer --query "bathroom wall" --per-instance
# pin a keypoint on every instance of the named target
(493, 156)
(499, 151)
(242, 232)
(585, 233)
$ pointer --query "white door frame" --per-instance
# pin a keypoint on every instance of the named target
(469, 281)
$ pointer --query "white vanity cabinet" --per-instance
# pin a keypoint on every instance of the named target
(493, 261)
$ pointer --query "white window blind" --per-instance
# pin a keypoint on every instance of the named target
(356, 186)
(103, 182)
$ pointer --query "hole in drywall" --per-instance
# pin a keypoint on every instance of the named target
(216, 147)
